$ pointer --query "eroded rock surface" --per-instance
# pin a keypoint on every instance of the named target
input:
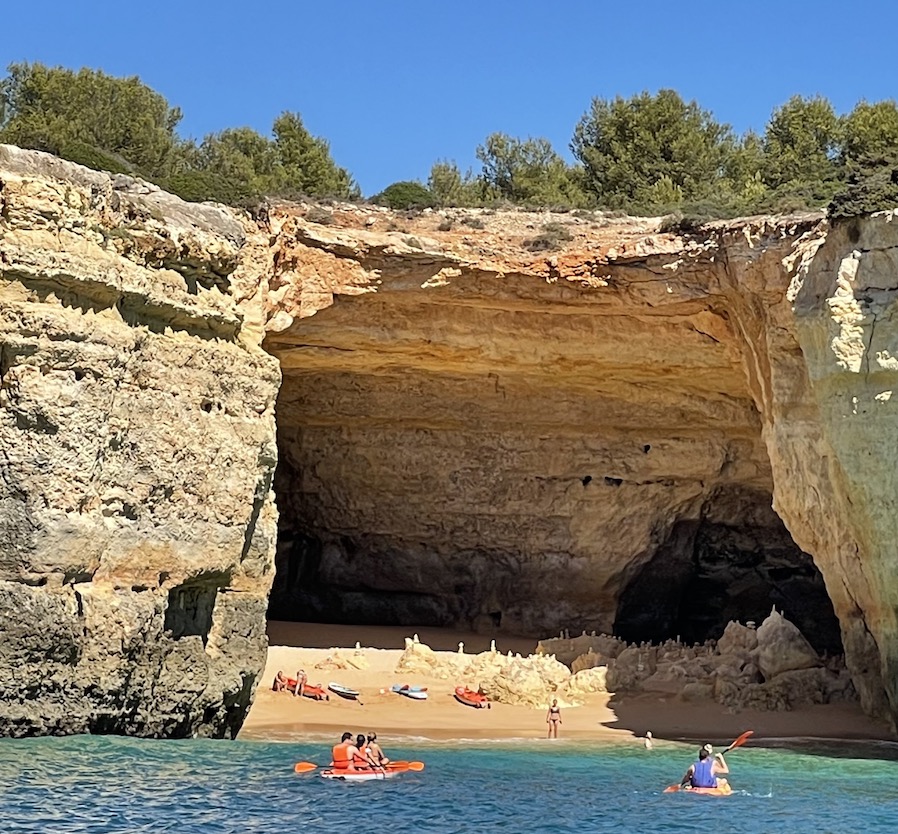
(641, 433)
(137, 448)
(473, 434)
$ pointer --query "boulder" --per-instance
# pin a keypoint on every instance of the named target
(737, 639)
(588, 661)
(783, 648)
(567, 650)
(585, 683)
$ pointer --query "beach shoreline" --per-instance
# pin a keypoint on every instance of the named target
(603, 718)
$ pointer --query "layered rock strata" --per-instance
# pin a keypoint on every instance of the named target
(592, 438)
(136, 455)
(472, 431)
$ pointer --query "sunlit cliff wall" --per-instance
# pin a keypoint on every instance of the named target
(641, 431)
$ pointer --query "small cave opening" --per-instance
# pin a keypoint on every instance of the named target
(190, 608)
(722, 567)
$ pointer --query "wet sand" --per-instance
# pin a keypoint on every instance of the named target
(605, 717)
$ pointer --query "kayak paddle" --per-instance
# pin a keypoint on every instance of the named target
(737, 743)
(404, 766)
(740, 741)
(308, 767)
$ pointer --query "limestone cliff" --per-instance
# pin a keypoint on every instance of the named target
(136, 454)
(473, 433)
(639, 432)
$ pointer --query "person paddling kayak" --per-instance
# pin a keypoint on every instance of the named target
(703, 773)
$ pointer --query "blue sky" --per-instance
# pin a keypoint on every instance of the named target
(396, 86)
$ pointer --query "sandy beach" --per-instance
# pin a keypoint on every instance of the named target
(605, 717)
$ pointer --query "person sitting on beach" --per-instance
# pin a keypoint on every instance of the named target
(375, 751)
(280, 682)
(703, 773)
(344, 754)
(553, 719)
(300, 683)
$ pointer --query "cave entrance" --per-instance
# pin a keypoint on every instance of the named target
(720, 568)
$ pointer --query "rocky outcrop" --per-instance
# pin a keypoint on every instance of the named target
(595, 438)
(507, 679)
(642, 433)
(773, 668)
(137, 449)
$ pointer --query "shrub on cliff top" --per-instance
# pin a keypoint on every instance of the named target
(405, 195)
(872, 187)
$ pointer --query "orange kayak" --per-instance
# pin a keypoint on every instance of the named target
(470, 698)
(723, 789)
(309, 690)
(373, 775)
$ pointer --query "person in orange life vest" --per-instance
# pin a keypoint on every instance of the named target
(364, 759)
(345, 753)
(374, 750)
(703, 773)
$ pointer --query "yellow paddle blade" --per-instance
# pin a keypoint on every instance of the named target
(304, 767)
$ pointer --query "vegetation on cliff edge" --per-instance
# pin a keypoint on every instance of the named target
(647, 154)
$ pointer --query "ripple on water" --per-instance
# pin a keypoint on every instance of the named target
(101, 785)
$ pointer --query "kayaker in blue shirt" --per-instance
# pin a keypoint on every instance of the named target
(703, 773)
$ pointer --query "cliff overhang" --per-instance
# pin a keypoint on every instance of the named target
(639, 431)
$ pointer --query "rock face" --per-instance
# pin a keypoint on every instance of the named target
(642, 433)
(773, 668)
(137, 449)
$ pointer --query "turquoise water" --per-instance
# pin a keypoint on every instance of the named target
(101, 784)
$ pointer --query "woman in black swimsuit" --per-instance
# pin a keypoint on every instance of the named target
(553, 719)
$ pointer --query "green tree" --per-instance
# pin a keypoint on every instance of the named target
(88, 116)
(451, 188)
(238, 165)
(869, 132)
(306, 162)
(633, 150)
(800, 148)
(743, 187)
(527, 171)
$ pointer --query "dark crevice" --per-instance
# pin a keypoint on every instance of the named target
(711, 571)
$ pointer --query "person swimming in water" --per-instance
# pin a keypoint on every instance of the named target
(553, 719)
(704, 772)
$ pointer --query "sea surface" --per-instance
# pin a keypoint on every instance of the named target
(105, 784)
